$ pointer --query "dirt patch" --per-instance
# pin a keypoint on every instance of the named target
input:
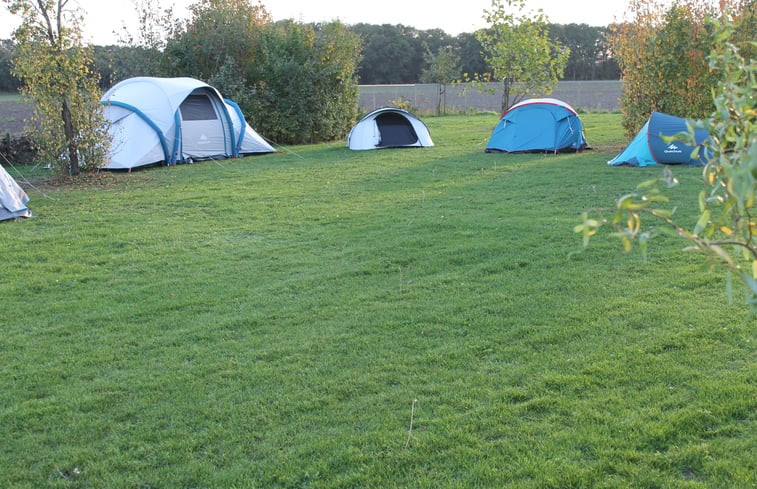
(104, 180)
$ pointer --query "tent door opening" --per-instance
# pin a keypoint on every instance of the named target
(204, 132)
(395, 130)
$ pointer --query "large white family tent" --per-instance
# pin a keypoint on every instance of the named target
(389, 127)
(174, 120)
(13, 199)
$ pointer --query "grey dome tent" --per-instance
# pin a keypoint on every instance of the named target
(13, 199)
(389, 127)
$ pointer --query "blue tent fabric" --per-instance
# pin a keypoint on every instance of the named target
(648, 148)
(538, 125)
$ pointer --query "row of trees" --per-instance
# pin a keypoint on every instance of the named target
(389, 53)
(401, 54)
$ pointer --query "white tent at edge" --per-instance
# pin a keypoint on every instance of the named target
(13, 199)
(174, 120)
(389, 127)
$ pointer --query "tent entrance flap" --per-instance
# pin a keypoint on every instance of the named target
(395, 130)
(203, 132)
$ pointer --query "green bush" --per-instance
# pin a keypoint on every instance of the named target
(304, 84)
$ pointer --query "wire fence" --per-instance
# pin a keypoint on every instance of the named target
(591, 96)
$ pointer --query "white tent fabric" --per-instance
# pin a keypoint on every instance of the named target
(173, 120)
(13, 199)
(248, 141)
(389, 127)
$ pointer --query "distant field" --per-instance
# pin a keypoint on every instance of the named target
(13, 113)
(583, 95)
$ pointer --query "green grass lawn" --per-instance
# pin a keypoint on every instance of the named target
(270, 322)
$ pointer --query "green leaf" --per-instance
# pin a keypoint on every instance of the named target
(656, 198)
(704, 218)
(662, 213)
(702, 201)
(625, 201)
(647, 184)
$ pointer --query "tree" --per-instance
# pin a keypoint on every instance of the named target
(391, 54)
(304, 86)
(606, 63)
(218, 30)
(442, 68)
(726, 230)
(587, 46)
(662, 51)
(8, 82)
(55, 68)
(519, 51)
(142, 52)
(469, 50)
(296, 83)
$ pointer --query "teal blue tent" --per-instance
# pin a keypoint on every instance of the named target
(648, 147)
(538, 125)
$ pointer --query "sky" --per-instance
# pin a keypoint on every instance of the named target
(103, 17)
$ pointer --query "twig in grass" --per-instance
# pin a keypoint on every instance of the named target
(412, 418)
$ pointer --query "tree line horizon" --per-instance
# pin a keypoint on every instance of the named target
(391, 54)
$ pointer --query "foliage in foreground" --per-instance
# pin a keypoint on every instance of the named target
(726, 228)
(269, 322)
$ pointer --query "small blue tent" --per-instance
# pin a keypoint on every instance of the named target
(648, 147)
(540, 124)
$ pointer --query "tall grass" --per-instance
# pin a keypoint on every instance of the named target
(273, 321)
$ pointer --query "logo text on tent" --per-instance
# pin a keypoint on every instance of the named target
(672, 148)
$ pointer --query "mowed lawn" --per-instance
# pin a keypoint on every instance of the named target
(405, 318)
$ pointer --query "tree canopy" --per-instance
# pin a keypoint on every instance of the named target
(519, 51)
(389, 54)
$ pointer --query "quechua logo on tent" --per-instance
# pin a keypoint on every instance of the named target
(672, 148)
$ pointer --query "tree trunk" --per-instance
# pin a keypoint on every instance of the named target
(439, 99)
(68, 130)
(444, 99)
(505, 94)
